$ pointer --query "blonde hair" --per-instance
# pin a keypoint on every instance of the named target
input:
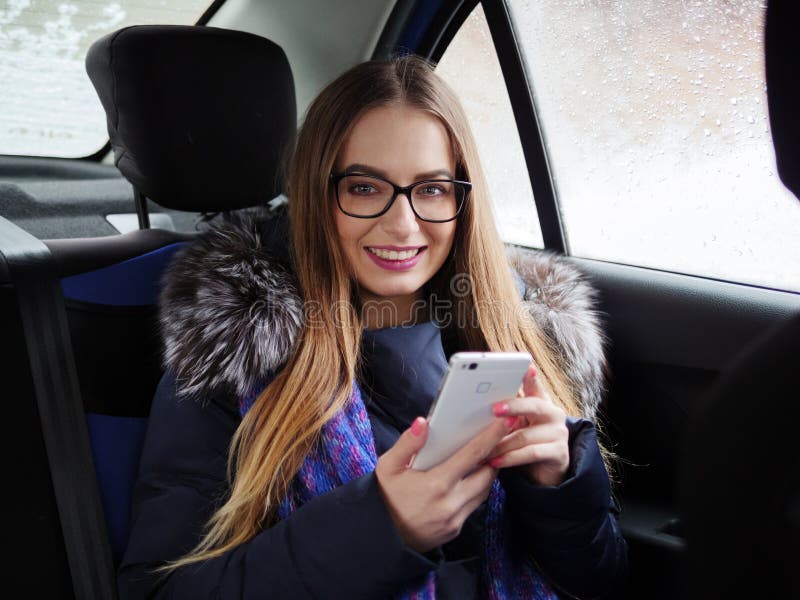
(286, 419)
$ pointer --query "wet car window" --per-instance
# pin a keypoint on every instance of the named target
(655, 120)
(48, 107)
(471, 67)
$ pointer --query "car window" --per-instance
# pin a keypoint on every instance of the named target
(471, 67)
(48, 106)
(655, 120)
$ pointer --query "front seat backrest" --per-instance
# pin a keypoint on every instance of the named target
(199, 120)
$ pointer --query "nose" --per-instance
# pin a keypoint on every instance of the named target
(400, 221)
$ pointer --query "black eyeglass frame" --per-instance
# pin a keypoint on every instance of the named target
(335, 178)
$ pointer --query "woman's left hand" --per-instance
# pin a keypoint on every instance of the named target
(539, 441)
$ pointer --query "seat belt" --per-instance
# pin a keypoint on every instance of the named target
(33, 273)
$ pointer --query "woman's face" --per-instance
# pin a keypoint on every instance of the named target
(403, 145)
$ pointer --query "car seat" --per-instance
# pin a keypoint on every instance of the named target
(199, 119)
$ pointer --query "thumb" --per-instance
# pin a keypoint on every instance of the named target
(407, 445)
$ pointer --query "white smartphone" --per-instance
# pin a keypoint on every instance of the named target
(463, 407)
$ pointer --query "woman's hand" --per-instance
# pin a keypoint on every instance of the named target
(429, 507)
(539, 444)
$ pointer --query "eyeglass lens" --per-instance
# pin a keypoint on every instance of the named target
(366, 196)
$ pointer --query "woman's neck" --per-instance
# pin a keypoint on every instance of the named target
(382, 312)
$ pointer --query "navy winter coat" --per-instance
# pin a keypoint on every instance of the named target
(342, 544)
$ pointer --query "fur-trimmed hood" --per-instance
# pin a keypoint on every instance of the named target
(230, 309)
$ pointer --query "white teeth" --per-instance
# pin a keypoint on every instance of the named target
(393, 254)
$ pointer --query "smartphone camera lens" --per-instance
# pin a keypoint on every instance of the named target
(473, 366)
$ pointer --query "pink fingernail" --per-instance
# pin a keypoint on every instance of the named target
(511, 422)
(496, 462)
(417, 426)
(532, 371)
(500, 409)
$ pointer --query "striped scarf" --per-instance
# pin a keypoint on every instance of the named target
(347, 451)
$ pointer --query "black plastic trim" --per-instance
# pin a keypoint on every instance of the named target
(100, 154)
(443, 28)
(141, 209)
(650, 524)
(91, 158)
(43, 315)
(697, 276)
(16, 169)
(210, 12)
(664, 318)
(524, 105)
(74, 256)
(393, 29)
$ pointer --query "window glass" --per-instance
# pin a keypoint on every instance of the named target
(655, 119)
(471, 68)
(48, 106)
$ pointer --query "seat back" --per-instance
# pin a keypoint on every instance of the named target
(199, 120)
(113, 323)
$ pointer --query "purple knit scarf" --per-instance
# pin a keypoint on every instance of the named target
(347, 451)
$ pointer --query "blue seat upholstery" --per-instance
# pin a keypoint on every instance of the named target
(123, 289)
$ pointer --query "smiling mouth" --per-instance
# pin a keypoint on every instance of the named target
(400, 255)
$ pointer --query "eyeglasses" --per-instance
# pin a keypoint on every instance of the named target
(370, 196)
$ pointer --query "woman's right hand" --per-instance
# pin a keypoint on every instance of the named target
(429, 507)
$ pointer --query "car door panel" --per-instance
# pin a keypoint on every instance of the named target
(670, 335)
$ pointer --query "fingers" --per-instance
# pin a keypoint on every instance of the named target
(541, 434)
(473, 454)
(537, 453)
(531, 385)
(476, 484)
(476, 489)
(528, 436)
(535, 409)
(398, 457)
(534, 405)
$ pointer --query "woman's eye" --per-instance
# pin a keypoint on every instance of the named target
(362, 189)
(432, 190)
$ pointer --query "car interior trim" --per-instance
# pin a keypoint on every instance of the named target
(524, 106)
(34, 277)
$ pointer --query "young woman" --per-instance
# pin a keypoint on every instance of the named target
(285, 475)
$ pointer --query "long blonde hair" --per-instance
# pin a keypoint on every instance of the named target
(286, 419)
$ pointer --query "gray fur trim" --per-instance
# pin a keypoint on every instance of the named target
(562, 302)
(230, 312)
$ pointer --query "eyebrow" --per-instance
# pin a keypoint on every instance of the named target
(368, 170)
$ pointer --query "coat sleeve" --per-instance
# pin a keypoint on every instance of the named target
(342, 544)
(572, 529)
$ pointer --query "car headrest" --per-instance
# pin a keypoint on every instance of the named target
(782, 46)
(199, 117)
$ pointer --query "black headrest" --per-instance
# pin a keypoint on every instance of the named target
(199, 117)
(783, 92)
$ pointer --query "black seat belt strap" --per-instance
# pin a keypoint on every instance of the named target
(32, 271)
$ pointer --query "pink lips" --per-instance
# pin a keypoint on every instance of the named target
(396, 265)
